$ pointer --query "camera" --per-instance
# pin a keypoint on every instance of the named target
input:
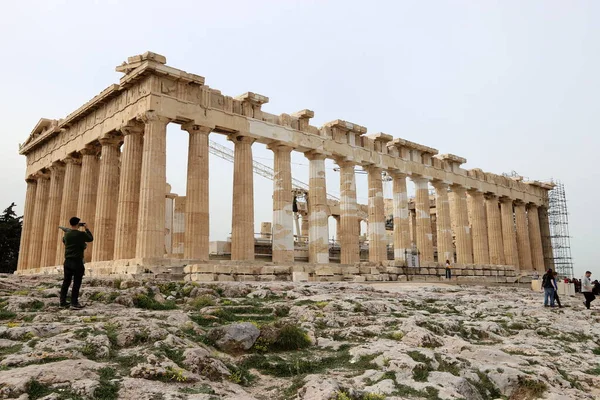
(82, 224)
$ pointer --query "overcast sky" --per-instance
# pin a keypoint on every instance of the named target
(509, 85)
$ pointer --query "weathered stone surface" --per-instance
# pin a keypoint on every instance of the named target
(235, 337)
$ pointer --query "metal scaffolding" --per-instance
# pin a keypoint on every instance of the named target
(558, 216)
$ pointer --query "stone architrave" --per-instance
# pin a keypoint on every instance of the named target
(523, 244)
(318, 231)
(460, 217)
(128, 203)
(151, 217)
(494, 229)
(107, 202)
(39, 217)
(546, 237)
(283, 214)
(535, 238)
(51, 231)
(445, 249)
(509, 237)
(348, 224)
(377, 234)
(197, 219)
(481, 251)
(424, 235)
(70, 197)
(27, 227)
(88, 192)
(401, 223)
(242, 217)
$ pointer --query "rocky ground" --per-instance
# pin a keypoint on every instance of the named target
(175, 340)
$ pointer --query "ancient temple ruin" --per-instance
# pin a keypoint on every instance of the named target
(106, 163)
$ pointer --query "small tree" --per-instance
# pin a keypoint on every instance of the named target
(10, 237)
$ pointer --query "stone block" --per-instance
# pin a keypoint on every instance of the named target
(359, 279)
(364, 269)
(245, 278)
(225, 278)
(374, 271)
(299, 276)
(373, 278)
(393, 277)
(351, 270)
(478, 272)
(392, 270)
(267, 270)
(324, 271)
(487, 272)
(267, 278)
(222, 269)
(204, 277)
(281, 269)
(402, 278)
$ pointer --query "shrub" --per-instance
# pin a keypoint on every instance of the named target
(203, 301)
(36, 390)
(291, 337)
(5, 314)
(149, 303)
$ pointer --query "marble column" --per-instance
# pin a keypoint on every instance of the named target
(523, 244)
(445, 249)
(318, 231)
(108, 198)
(412, 227)
(304, 227)
(27, 227)
(197, 219)
(151, 217)
(348, 224)
(169, 210)
(535, 238)
(283, 214)
(128, 203)
(509, 237)
(377, 234)
(401, 223)
(546, 237)
(242, 231)
(460, 217)
(424, 236)
(481, 251)
(39, 218)
(88, 193)
(494, 224)
(178, 237)
(51, 231)
(68, 207)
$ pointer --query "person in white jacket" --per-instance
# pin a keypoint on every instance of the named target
(587, 289)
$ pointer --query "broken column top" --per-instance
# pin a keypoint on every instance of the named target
(451, 158)
(306, 113)
(398, 142)
(349, 126)
(253, 98)
(381, 137)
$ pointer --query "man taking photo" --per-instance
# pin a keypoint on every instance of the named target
(75, 242)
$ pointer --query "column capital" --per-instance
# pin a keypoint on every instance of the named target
(110, 141)
(132, 127)
(57, 167)
(191, 127)
(398, 174)
(344, 162)
(72, 159)
(315, 155)
(31, 180)
(238, 137)
(89, 150)
(490, 196)
(519, 203)
(420, 180)
(532, 205)
(474, 192)
(152, 117)
(278, 146)
(42, 174)
(437, 184)
(505, 199)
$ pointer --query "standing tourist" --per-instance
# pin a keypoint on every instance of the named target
(448, 270)
(548, 288)
(555, 284)
(587, 289)
(75, 244)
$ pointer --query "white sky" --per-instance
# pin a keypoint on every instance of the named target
(509, 85)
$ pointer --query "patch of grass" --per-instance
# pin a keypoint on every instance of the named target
(108, 389)
(147, 302)
(127, 362)
(593, 371)
(112, 333)
(517, 326)
(36, 390)
(291, 337)
(596, 351)
(574, 382)
(175, 355)
(200, 302)
(420, 372)
(35, 305)
(419, 357)
(5, 314)
(529, 389)
(445, 366)
(28, 318)
(429, 393)
(397, 335)
(90, 351)
(10, 350)
(304, 302)
(202, 389)
(515, 352)
(291, 391)
(240, 374)
(486, 388)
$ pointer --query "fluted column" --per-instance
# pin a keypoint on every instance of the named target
(283, 215)
(535, 238)
(494, 224)
(39, 218)
(197, 220)
(509, 236)
(546, 238)
(88, 192)
(242, 231)
(401, 224)
(377, 235)
(460, 217)
(318, 231)
(57, 179)
(70, 197)
(128, 203)
(349, 224)
(27, 227)
(481, 251)
(523, 244)
(108, 198)
(424, 236)
(304, 227)
(151, 218)
(445, 249)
